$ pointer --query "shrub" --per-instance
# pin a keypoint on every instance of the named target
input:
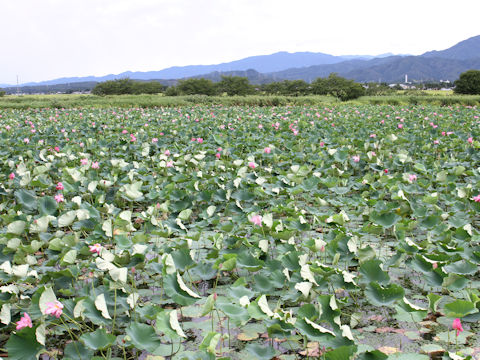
(468, 83)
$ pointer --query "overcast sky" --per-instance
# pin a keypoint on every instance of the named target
(48, 39)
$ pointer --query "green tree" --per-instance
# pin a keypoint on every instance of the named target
(235, 85)
(319, 86)
(2, 93)
(295, 87)
(114, 87)
(147, 87)
(468, 83)
(287, 87)
(196, 87)
(127, 86)
(338, 86)
(171, 91)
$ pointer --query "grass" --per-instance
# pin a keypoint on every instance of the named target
(150, 101)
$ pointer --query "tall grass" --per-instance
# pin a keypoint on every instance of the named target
(149, 101)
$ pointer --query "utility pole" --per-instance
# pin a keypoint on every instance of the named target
(18, 89)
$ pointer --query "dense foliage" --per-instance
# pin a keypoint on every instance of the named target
(334, 85)
(338, 87)
(127, 86)
(199, 232)
(468, 83)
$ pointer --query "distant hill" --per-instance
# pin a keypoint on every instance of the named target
(263, 63)
(446, 64)
(418, 69)
(312, 72)
(391, 69)
(464, 50)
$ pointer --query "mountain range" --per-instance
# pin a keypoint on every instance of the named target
(431, 66)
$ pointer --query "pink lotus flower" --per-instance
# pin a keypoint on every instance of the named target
(373, 135)
(385, 171)
(54, 309)
(400, 126)
(59, 198)
(26, 140)
(84, 161)
(476, 198)
(252, 165)
(59, 186)
(219, 149)
(457, 325)
(154, 140)
(436, 142)
(200, 140)
(8, 127)
(256, 220)
(124, 131)
(133, 138)
(11, 176)
(322, 144)
(267, 150)
(96, 248)
(470, 140)
(95, 165)
(217, 155)
(169, 164)
(412, 177)
(167, 152)
(24, 322)
(356, 158)
(56, 148)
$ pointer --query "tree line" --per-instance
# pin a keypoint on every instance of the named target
(334, 85)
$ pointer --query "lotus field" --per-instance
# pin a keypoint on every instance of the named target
(203, 232)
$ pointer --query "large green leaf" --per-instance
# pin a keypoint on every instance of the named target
(238, 314)
(385, 220)
(98, 339)
(342, 353)
(77, 351)
(16, 227)
(463, 267)
(27, 199)
(47, 205)
(460, 308)
(372, 355)
(249, 262)
(23, 345)
(372, 272)
(260, 352)
(162, 325)
(384, 296)
(143, 336)
(175, 292)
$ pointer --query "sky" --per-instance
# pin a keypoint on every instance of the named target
(49, 39)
